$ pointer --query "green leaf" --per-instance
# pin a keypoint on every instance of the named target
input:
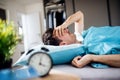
(8, 39)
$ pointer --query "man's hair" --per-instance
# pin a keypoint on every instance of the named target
(48, 38)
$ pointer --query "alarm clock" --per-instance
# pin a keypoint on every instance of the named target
(42, 62)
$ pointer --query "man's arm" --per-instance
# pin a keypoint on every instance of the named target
(111, 60)
(77, 18)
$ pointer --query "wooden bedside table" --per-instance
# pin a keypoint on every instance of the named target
(58, 75)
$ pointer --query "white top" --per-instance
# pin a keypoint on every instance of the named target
(78, 36)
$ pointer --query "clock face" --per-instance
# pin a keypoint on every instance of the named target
(42, 62)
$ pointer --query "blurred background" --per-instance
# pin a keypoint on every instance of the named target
(33, 17)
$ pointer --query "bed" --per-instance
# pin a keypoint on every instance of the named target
(102, 41)
(89, 73)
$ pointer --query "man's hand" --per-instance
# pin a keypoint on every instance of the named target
(82, 61)
(59, 31)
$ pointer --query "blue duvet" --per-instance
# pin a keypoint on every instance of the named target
(102, 41)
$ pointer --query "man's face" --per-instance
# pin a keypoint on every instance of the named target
(67, 38)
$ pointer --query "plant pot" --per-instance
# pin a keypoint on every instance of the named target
(6, 64)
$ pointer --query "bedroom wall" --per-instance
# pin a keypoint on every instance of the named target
(95, 12)
(115, 12)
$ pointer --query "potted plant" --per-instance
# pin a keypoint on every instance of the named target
(8, 41)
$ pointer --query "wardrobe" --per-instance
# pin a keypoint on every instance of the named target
(55, 13)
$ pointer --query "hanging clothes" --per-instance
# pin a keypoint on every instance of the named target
(50, 21)
(59, 18)
(55, 18)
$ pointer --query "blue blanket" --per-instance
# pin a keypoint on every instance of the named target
(102, 41)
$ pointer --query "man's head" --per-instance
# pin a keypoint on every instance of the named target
(48, 38)
(66, 39)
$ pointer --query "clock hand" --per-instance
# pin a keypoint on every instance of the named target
(40, 60)
(43, 65)
(40, 63)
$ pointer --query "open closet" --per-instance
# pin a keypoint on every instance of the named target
(55, 13)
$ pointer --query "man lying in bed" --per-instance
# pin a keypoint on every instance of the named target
(62, 36)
